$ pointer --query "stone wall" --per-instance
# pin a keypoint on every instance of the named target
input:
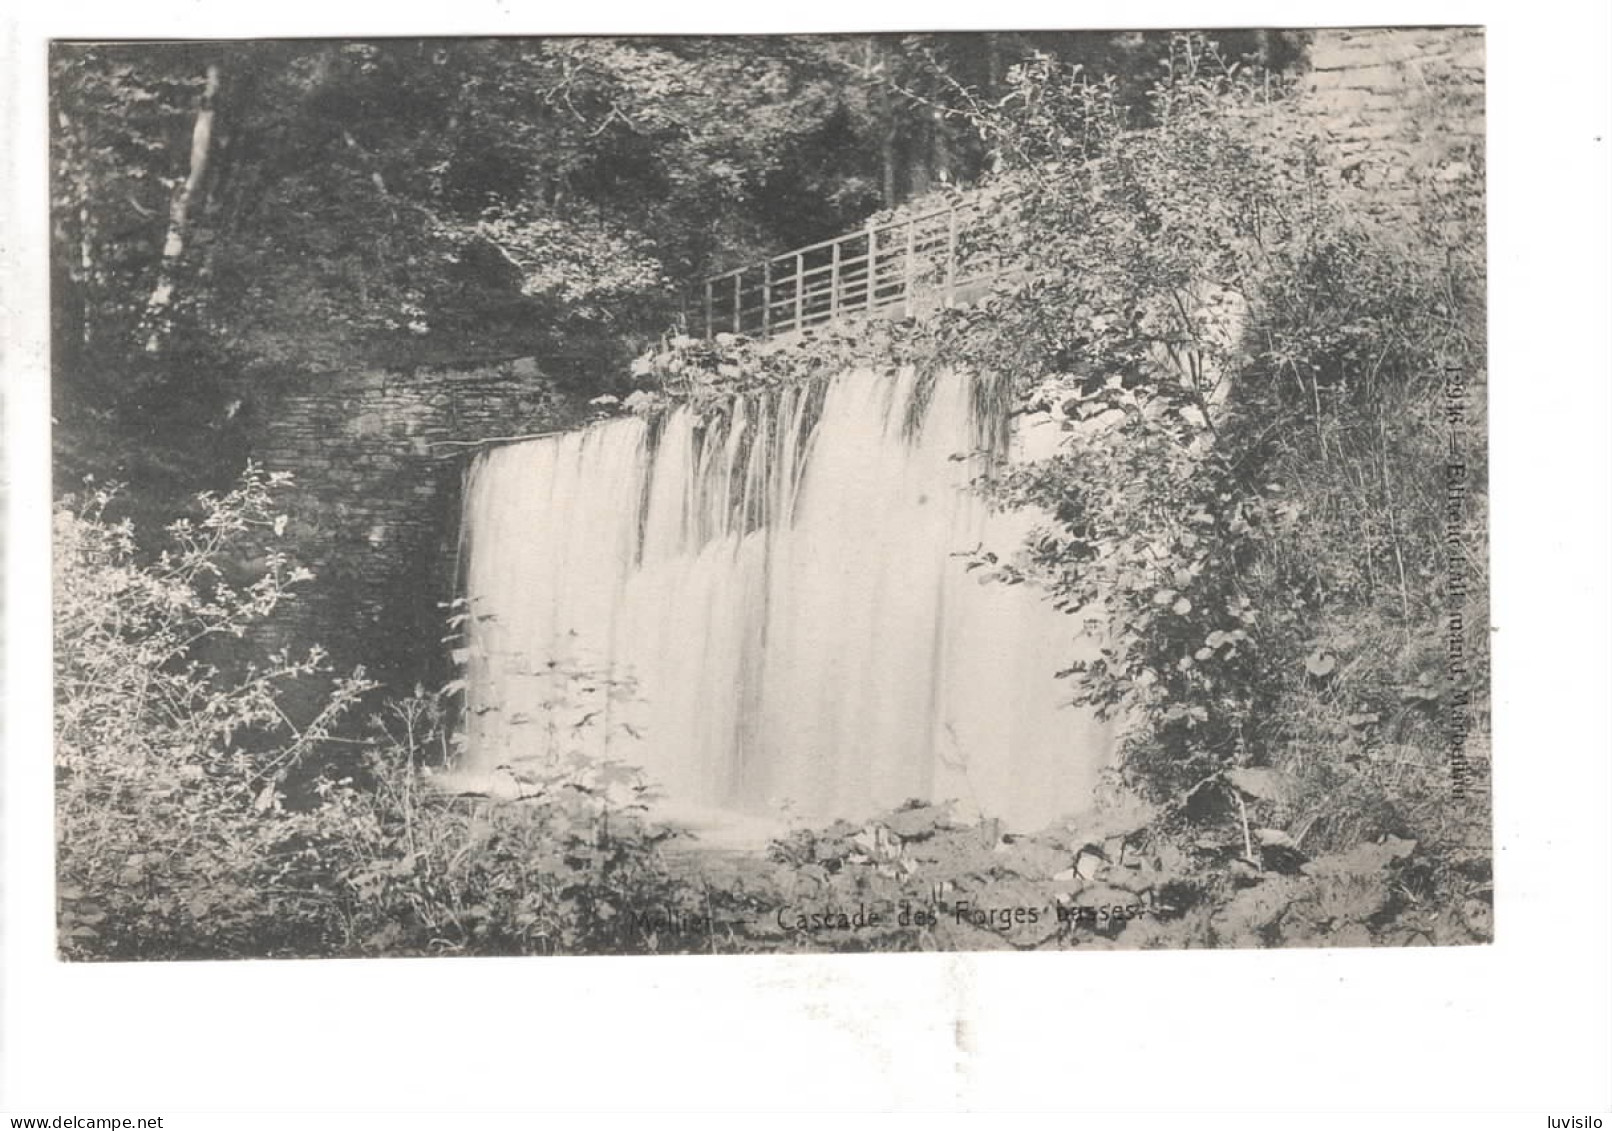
(377, 459)
(1403, 111)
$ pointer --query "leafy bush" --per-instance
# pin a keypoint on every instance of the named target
(172, 835)
(196, 819)
(1126, 875)
(424, 864)
(1253, 506)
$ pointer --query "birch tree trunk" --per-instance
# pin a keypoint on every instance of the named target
(159, 307)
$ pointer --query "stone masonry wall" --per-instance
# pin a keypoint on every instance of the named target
(377, 459)
(1403, 109)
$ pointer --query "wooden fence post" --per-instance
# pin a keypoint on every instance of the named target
(873, 264)
(834, 284)
(800, 292)
(907, 269)
(766, 298)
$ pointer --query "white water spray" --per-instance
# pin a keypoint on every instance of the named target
(783, 586)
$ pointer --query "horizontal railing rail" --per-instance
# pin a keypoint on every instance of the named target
(898, 268)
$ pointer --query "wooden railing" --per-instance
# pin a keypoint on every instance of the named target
(895, 269)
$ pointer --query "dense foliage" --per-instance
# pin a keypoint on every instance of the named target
(1256, 503)
(226, 213)
(169, 769)
(1252, 513)
(194, 820)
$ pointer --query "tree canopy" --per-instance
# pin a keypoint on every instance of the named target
(227, 212)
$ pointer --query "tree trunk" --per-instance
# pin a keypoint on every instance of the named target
(887, 161)
(881, 115)
(69, 308)
(159, 307)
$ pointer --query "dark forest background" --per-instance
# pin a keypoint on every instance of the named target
(226, 214)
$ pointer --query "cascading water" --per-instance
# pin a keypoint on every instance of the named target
(766, 609)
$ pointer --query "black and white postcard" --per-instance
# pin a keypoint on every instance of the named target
(709, 500)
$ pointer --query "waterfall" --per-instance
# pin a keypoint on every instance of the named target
(767, 609)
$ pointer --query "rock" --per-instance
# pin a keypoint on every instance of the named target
(920, 822)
